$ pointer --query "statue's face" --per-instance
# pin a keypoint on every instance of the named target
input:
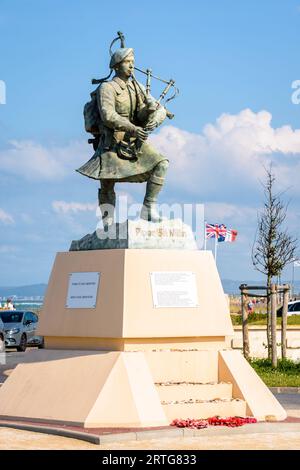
(125, 68)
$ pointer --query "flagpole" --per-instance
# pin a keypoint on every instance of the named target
(216, 244)
(205, 235)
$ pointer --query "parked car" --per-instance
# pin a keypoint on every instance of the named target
(293, 308)
(20, 329)
(2, 336)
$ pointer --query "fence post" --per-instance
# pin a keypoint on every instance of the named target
(286, 291)
(273, 324)
(246, 348)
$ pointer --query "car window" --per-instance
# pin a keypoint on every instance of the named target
(26, 317)
(11, 317)
(296, 307)
(291, 307)
(33, 317)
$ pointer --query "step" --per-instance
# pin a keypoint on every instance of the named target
(183, 366)
(184, 391)
(205, 409)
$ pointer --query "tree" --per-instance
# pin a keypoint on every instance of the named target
(273, 248)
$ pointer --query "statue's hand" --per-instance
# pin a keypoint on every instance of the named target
(150, 126)
(156, 119)
(141, 134)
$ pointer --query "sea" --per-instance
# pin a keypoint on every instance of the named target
(28, 304)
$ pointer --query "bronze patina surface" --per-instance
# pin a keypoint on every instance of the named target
(120, 116)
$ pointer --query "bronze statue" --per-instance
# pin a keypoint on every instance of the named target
(120, 116)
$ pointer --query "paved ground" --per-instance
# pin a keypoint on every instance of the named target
(260, 436)
(11, 439)
(290, 401)
(267, 436)
(11, 359)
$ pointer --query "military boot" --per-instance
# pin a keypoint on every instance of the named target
(107, 203)
(149, 210)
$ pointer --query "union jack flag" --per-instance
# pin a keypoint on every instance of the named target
(215, 231)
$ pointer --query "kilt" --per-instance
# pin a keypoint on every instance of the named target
(107, 165)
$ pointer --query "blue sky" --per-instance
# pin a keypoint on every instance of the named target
(234, 62)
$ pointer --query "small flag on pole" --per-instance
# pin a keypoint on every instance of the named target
(215, 231)
(230, 236)
(221, 232)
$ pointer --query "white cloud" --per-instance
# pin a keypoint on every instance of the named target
(34, 161)
(226, 156)
(230, 155)
(6, 218)
(220, 212)
(71, 215)
(63, 207)
(238, 217)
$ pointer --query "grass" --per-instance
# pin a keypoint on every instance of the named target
(287, 373)
(261, 319)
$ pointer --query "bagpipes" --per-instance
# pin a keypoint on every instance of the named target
(148, 72)
(146, 104)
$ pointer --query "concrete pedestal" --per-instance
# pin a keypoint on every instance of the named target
(127, 362)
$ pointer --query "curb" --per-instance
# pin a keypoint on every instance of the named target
(93, 438)
(285, 389)
(158, 434)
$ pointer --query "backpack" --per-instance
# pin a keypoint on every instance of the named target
(92, 119)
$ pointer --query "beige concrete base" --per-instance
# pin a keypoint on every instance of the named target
(85, 389)
(127, 363)
(135, 389)
(248, 386)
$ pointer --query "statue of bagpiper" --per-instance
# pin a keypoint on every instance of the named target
(120, 115)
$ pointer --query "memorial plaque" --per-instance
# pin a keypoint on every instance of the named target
(82, 291)
(174, 289)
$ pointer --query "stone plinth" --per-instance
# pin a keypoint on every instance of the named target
(168, 234)
(128, 361)
(125, 315)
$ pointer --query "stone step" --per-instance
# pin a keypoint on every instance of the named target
(184, 391)
(205, 409)
(183, 366)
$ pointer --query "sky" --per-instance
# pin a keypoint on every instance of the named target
(234, 62)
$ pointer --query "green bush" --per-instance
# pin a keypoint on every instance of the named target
(284, 365)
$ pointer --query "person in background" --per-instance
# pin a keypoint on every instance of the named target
(9, 305)
(250, 307)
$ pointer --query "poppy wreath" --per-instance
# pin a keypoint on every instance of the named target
(190, 423)
(232, 422)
